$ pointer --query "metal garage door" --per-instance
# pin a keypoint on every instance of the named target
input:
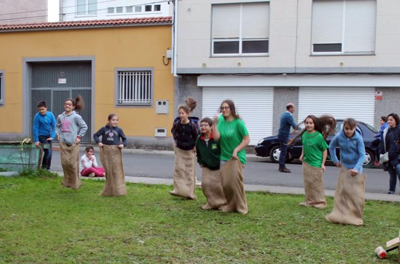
(254, 105)
(46, 87)
(358, 103)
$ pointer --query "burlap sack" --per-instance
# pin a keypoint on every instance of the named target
(184, 174)
(70, 163)
(212, 189)
(313, 186)
(111, 158)
(349, 199)
(232, 185)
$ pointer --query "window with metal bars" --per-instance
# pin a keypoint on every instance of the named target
(135, 87)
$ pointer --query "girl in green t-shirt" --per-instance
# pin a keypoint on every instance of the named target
(233, 137)
(313, 156)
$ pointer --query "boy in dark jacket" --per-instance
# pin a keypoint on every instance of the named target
(208, 156)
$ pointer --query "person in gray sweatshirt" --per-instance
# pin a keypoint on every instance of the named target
(70, 128)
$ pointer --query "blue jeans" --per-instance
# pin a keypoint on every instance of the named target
(283, 140)
(394, 173)
(47, 152)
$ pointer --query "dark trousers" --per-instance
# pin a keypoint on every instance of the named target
(47, 149)
(375, 144)
(394, 172)
(283, 140)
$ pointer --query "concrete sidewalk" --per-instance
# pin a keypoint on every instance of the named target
(258, 188)
(250, 157)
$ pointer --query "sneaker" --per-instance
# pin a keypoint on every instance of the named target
(285, 170)
(390, 192)
(91, 175)
(376, 163)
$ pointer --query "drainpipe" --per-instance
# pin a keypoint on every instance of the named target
(175, 37)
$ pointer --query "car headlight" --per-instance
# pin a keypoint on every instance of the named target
(260, 141)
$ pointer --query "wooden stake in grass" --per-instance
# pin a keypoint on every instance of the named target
(393, 244)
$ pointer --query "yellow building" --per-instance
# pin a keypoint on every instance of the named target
(118, 66)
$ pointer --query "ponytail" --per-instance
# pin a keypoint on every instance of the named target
(78, 103)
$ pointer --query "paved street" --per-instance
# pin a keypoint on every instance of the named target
(257, 172)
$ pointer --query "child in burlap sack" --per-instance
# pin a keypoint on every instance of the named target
(313, 156)
(233, 136)
(113, 140)
(350, 190)
(185, 133)
(70, 128)
(208, 156)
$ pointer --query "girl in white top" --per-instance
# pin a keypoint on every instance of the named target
(89, 164)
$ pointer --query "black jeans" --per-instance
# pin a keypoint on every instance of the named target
(47, 152)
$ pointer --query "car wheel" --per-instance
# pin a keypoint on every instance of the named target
(274, 154)
(369, 159)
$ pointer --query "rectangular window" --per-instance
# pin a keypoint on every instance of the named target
(157, 7)
(110, 10)
(135, 87)
(86, 7)
(129, 9)
(240, 29)
(1, 89)
(343, 26)
(138, 9)
(148, 8)
(81, 7)
(120, 9)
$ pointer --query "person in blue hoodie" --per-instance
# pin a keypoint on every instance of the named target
(350, 190)
(44, 131)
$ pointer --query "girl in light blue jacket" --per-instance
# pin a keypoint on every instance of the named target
(350, 189)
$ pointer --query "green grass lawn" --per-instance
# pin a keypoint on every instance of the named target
(43, 222)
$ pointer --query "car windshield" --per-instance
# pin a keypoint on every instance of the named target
(373, 129)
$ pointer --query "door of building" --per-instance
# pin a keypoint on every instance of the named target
(54, 82)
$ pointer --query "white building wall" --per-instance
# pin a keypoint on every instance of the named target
(69, 9)
(290, 41)
(23, 11)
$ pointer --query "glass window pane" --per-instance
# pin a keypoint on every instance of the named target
(110, 10)
(81, 7)
(226, 47)
(333, 47)
(92, 7)
(157, 8)
(120, 9)
(138, 9)
(226, 21)
(255, 46)
(129, 9)
(148, 8)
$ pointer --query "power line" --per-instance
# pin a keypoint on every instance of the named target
(41, 10)
(75, 12)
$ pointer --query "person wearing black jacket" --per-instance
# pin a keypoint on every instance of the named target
(185, 134)
(391, 144)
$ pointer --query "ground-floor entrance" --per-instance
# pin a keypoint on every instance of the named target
(54, 82)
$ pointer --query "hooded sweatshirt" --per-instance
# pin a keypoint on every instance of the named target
(352, 150)
(69, 127)
(110, 136)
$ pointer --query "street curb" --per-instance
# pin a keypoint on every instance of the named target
(250, 157)
(256, 188)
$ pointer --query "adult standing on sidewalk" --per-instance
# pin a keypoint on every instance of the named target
(283, 134)
(390, 144)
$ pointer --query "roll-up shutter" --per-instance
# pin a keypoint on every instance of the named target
(358, 103)
(254, 105)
